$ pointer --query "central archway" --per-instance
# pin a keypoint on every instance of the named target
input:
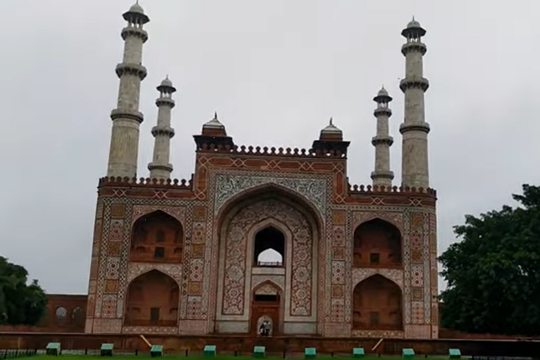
(259, 220)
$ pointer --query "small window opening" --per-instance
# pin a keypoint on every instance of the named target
(154, 314)
(269, 248)
(61, 313)
(374, 258)
(159, 252)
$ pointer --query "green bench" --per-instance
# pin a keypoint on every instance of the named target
(106, 349)
(209, 351)
(407, 353)
(259, 351)
(310, 353)
(358, 352)
(156, 350)
(454, 353)
(53, 348)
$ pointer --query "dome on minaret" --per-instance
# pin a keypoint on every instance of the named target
(136, 12)
(214, 128)
(136, 8)
(382, 96)
(413, 24)
(166, 82)
(413, 29)
(382, 92)
(331, 133)
(166, 85)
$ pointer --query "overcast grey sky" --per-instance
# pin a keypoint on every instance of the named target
(275, 71)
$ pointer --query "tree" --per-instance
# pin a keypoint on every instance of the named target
(493, 274)
(20, 303)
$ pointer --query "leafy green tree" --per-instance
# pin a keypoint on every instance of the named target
(493, 274)
(20, 303)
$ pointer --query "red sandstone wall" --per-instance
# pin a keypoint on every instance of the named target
(73, 322)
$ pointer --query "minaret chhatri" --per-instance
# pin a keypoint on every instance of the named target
(126, 117)
(160, 167)
(382, 176)
(414, 128)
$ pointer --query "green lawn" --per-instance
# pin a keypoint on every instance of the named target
(297, 356)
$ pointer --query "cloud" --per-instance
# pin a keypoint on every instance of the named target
(275, 71)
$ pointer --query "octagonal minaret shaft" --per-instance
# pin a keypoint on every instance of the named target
(382, 176)
(414, 128)
(126, 117)
(160, 167)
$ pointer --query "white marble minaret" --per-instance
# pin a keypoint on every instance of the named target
(414, 128)
(160, 167)
(382, 176)
(126, 117)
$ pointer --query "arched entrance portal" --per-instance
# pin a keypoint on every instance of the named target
(377, 305)
(259, 222)
(152, 300)
(266, 310)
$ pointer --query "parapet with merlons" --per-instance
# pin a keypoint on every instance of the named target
(271, 151)
(145, 187)
(118, 181)
(391, 195)
(362, 189)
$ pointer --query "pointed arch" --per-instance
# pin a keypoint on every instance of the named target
(265, 191)
(267, 287)
(377, 304)
(269, 234)
(157, 237)
(152, 300)
(137, 269)
(377, 243)
(141, 210)
(391, 218)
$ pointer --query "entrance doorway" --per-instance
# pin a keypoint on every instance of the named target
(265, 311)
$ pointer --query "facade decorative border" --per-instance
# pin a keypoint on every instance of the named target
(228, 185)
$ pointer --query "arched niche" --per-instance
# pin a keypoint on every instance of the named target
(77, 316)
(61, 314)
(157, 237)
(377, 243)
(269, 248)
(152, 300)
(377, 305)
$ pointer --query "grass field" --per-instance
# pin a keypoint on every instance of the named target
(226, 357)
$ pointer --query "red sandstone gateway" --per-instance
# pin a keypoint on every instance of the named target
(187, 257)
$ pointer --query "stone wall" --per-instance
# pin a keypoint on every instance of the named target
(64, 313)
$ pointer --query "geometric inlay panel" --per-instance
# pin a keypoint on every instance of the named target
(229, 185)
